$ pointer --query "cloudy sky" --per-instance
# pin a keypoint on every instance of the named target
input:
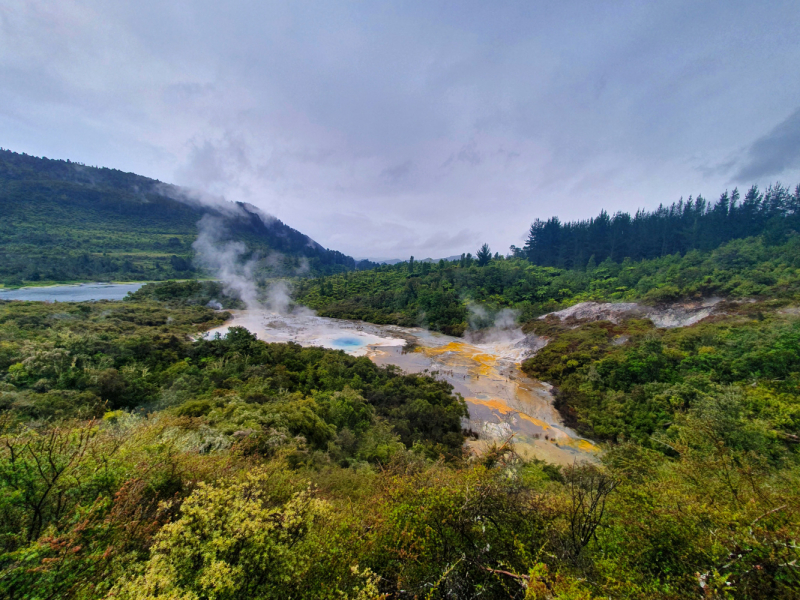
(384, 128)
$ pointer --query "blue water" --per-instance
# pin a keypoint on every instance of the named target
(347, 343)
(72, 293)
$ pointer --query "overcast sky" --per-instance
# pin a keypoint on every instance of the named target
(384, 129)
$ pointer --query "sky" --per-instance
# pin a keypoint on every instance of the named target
(386, 129)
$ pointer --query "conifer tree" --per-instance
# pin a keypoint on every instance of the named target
(693, 224)
(484, 255)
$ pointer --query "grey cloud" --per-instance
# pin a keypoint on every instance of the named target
(397, 172)
(211, 163)
(443, 241)
(338, 117)
(188, 91)
(774, 153)
(468, 154)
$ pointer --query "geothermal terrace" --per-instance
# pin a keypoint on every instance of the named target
(503, 402)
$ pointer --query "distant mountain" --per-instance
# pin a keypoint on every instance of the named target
(394, 261)
(64, 221)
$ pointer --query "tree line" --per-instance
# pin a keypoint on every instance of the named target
(694, 224)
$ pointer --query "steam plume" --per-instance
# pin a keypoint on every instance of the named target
(506, 318)
(278, 297)
(478, 317)
(223, 259)
(487, 327)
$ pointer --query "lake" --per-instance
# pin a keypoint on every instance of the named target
(82, 292)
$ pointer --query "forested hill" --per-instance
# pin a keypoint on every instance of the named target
(64, 221)
(695, 224)
(439, 296)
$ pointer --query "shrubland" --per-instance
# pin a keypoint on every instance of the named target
(628, 380)
(139, 459)
(186, 293)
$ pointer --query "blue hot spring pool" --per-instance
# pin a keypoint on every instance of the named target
(348, 343)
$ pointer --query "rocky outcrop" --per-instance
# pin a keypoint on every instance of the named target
(673, 315)
(531, 344)
(681, 314)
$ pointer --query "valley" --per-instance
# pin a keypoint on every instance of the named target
(504, 404)
(399, 300)
(531, 425)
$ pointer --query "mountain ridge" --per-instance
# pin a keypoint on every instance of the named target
(65, 221)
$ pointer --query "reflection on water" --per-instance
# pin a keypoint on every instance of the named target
(502, 400)
(83, 292)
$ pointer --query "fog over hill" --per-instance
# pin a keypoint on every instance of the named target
(68, 221)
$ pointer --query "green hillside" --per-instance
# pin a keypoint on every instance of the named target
(64, 221)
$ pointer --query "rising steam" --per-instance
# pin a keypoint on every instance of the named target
(491, 327)
(279, 299)
(224, 260)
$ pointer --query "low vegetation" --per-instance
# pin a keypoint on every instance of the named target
(628, 381)
(143, 459)
(137, 463)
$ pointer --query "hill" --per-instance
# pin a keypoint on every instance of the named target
(64, 221)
